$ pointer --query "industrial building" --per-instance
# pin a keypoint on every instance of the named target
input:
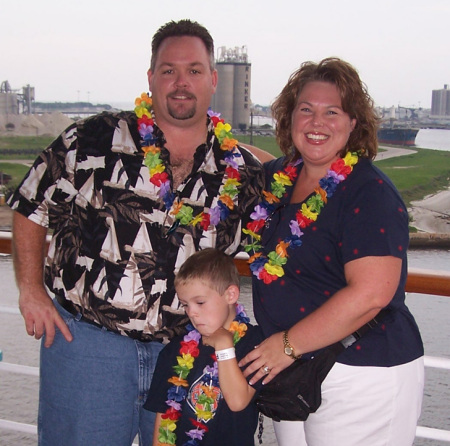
(15, 101)
(440, 102)
(232, 97)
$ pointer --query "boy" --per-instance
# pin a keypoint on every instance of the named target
(198, 391)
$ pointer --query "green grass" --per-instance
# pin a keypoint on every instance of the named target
(23, 147)
(418, 175)
(267, 143)
(25, 142)
(17, 171)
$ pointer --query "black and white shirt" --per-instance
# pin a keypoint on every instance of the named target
(115, 251)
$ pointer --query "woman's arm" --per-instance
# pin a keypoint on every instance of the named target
(371, 285)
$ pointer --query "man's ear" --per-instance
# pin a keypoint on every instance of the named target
(149, 77)
(232, 294)
(215, 79)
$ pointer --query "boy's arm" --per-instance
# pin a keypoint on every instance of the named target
(235, 388)
(156, 430)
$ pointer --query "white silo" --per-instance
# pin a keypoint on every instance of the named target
(232, 98)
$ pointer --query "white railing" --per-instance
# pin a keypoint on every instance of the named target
(421, 431)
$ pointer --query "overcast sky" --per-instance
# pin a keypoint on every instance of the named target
(99, 50)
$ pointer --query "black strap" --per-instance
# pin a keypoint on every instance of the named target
(340, 346)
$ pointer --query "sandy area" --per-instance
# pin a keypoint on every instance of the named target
(432, 214)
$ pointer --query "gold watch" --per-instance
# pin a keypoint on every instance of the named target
(288, 349)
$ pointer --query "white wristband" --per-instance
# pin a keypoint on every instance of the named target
(227, 353)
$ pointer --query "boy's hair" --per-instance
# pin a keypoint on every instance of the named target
(182, 28)
(210, 265)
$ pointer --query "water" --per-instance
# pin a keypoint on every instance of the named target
(19, 393)
(433, 139)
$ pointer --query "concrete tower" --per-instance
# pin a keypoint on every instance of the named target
(232, 98)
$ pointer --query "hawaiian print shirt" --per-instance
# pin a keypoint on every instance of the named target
(115, 248)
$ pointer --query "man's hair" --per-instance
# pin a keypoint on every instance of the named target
(182, 28)
(211, 266)
(355, 98)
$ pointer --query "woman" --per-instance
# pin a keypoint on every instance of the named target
(332, 254)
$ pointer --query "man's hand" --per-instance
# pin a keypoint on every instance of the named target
(41, 316)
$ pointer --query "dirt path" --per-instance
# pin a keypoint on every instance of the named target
(391, 152)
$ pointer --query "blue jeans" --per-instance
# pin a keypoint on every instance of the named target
(92, 389)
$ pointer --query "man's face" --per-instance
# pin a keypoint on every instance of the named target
(182, 82)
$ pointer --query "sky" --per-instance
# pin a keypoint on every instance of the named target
(99, 51)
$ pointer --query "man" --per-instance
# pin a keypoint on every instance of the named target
(129, 198)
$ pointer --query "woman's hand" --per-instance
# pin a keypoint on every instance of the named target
(266, 359)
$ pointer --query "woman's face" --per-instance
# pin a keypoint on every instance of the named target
(320, 127)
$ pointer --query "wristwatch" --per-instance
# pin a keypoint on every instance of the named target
(288, 349)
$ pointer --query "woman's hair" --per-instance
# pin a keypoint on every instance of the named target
(356, 102)
(212, 266)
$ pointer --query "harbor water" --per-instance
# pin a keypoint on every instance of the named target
(19, 393)
(438, 139)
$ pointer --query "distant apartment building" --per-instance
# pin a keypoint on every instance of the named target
(232, 98)
(440, 102)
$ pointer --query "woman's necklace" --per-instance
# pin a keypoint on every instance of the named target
(269, 267)
(208, 399)
(229, 188)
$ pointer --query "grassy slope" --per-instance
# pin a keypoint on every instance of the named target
(415, 176)
(420, 174)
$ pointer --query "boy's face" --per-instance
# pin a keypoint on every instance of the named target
(206, 308)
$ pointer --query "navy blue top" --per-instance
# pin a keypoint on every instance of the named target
(365, 217)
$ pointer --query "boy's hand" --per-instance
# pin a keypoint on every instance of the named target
(219, 340)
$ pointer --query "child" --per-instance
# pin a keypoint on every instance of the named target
(198, 391)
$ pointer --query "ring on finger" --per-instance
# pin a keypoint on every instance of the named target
(265, 369)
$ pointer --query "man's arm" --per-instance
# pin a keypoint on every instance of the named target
(262, 155)
(36, 306)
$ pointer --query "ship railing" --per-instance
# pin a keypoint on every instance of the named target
(419, 280)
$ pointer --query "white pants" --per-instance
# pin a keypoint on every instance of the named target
(370, 406)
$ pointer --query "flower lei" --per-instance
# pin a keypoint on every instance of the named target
(159, 177)
(269, 268)
(177, 394)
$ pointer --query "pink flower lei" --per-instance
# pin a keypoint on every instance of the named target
(269, 268)
(176, 395)
(229, 189)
